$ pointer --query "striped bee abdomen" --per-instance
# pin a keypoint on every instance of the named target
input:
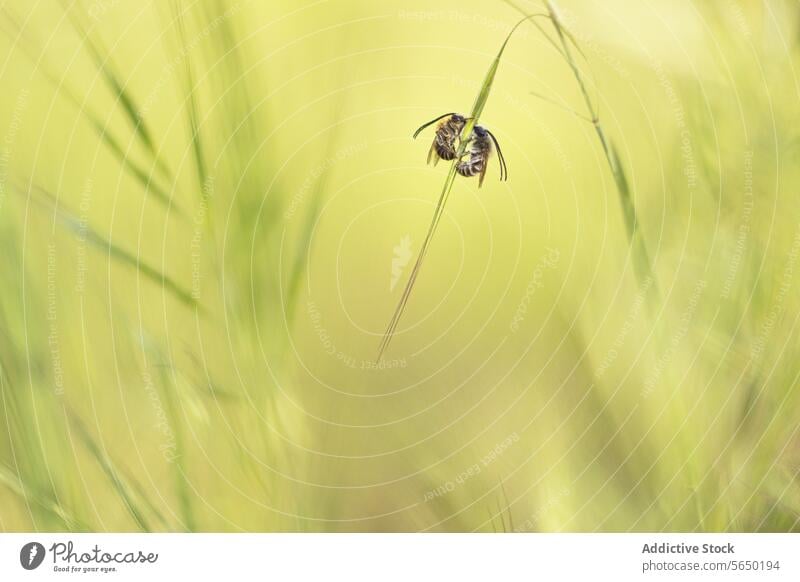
(445, 151)
(480, 148)
(471, 167)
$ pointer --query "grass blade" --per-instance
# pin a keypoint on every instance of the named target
(182, 486)
(138, 172)
(190, 89)
(642, 265)
(101, 129)
(13, 483)
(477, 110)
(118, 253)
(117, 87)
(299, 263)
(117, 480)
(641, 259)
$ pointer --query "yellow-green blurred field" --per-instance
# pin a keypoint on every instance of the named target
(209, 210)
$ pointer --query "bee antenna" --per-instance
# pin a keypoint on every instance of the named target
(416, 133)
(503, 166)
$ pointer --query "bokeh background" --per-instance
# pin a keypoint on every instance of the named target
(209, 211)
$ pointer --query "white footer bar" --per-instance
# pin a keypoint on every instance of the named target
(401, 557)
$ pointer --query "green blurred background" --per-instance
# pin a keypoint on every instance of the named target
(209, 210)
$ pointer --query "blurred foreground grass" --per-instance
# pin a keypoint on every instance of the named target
(208, 211)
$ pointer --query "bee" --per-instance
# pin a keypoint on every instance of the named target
(479, 148)
(446, 139)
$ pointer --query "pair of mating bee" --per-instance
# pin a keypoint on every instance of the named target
(447, 141)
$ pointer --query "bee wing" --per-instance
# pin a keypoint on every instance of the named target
(432, 155)
(483, 171)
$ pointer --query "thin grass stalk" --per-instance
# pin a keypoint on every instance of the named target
(641, 263)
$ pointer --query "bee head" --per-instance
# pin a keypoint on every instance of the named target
(480, 131)
(460, 119)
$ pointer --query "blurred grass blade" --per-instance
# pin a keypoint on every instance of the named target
(477, 110)
(117, 87)
(145, 178)
(141, 175)
(118, 253)
(312, 214)
(117, 480)
(190, 90)
(507, 506)
(12, 482)
(641, 258)
(182, 487)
